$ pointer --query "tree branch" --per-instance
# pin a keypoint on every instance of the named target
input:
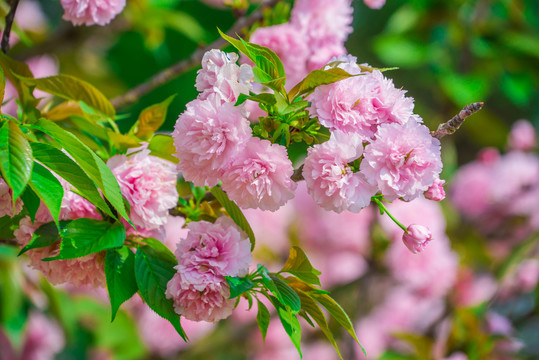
(456, 121)
(9, 23)
(185, 65)
(10, 242)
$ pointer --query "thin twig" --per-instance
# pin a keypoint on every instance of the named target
(185, 65)
(9, 23)
(452, 125)
(10, 242)
(298, 174)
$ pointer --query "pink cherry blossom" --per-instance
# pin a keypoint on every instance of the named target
(222, 249)
(222, 76)
(375, 4)
(207, 300)
(330, 180)
(436, 191)
(360, 104)
(91, 12)
(259, 176)
(416, 238)
(43, 339)
(522, 136)
(207, 136)
(6, 201)
(84, 271)
(403, 161)
(149, 185)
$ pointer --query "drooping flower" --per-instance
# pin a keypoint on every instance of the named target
(207, 136)
(330, 180)
(149, 185)
(416, 238)
(360, 104)
(207, 300)
(91, 12)
(403, 160)
(259, 176)
(221, 248)
(222, 76)
(6, 201)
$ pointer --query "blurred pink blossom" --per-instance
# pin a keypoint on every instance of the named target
(6, 201)
(403, 161)
(149, 185)
(416, 238)
(375, 4)
(473, 289)
(91, 12)
(522, 136)
(259, 176)
(207, 136)
(43, 339)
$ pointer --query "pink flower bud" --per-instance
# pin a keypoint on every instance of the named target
(522, 136)
(416, 238)
(436, 191)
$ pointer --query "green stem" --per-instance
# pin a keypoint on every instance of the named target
(383, 209)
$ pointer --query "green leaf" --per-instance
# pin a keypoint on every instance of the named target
(311, 308)
(87, 236)
(316, 78)
(290, 323)
(267, 53)
(284, 293)
(163, 147)
(90, 163)
(12, 70)
(71, 88)
(262, 319)
(238, 285)
(48, 188)
(2, 86)
(154, 267)
(120, 274)
(62, 164)
(31, 202)
(337, 312)
(299, 265)
(261, 76)
(46, 235)
(151, 119)
(265, 98)
(234, 212)
(15, 158)
(294, 107)
(276, 84)
(238, 44)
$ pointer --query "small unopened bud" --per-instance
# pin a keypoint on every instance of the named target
(416, 238)
(436, 191)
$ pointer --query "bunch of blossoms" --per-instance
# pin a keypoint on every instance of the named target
(91, 12)
(378, 147)
(214, 141)
(208, 254)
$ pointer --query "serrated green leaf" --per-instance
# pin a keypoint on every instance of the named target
(46, 235)
(120, 274)
(70, 171)
(276, 84)
(316, 78)
(337, 312)
(47, 187)
(262, 319)
(151, 118)
(15, 158)
(238, 44)
(154, 267)
(299, 265)
(89, 162)
(71, 88)
(163, 147)
(31, 202)
(290, 323)
(288, 296)
(256, 49)
(234, 212)
(238, 285)
(311, 308)
(265, 98)
(85, 236)
(261, 76)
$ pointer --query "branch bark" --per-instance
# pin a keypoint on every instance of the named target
(185, 65)
(10, 17)
(456, 121)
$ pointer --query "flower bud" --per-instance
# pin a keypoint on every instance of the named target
(436, 191)
(416, 238)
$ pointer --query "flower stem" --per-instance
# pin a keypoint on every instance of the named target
(383, 209)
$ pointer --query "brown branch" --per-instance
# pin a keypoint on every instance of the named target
(456, 121)
(185, 65)
(10, 242)
(298, 174)
(9, 23)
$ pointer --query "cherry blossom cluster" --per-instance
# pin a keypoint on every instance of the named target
(208, 254)
(91, 12)
(148, 184)
(214, 141)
